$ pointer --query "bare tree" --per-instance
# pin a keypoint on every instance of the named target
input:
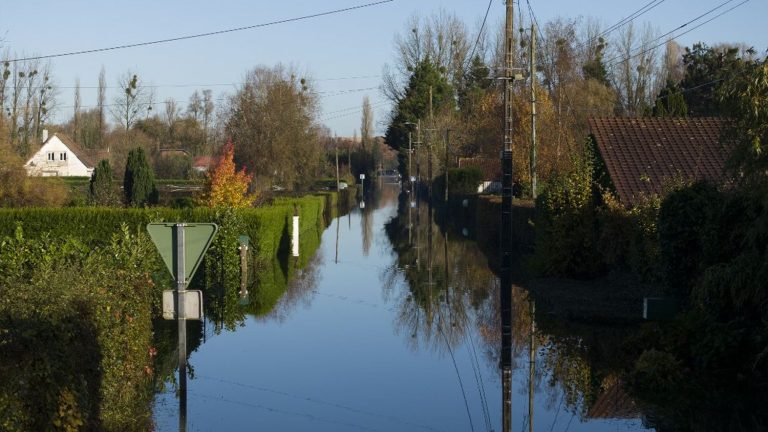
(171, 114)
(635, 69)
(101, 98)
(76, 113)
(366, 125)
(131, 102)
(207, 108)
(195, 107)
(441, 37)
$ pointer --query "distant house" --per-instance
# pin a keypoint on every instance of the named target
(491, 169)
(643, 155)
(60, 156)
(203, 163)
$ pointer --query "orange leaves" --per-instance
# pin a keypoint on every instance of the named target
(226, 187)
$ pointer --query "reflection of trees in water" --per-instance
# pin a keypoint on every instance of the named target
(366, 226)
(448, 282)
(299, 290)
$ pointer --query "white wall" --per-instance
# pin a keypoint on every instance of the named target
(39, 165)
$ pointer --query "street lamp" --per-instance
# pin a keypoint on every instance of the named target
(410, 149)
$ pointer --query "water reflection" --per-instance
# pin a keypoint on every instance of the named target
(398, 322)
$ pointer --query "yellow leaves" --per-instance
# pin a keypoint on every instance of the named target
(226, 187)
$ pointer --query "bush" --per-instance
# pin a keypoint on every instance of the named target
(461, 181)
(685, 219)
(76, 334)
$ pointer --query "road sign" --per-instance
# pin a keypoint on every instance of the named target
(192, 304)
(197, 239)
(362, 176)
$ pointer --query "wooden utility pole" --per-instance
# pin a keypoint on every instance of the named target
(533, 111)
(506, 223)
(447, 140)
(337, 167)
(429, 146)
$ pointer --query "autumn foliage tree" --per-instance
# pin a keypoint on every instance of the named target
(226, 187)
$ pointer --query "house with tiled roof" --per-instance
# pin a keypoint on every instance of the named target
(60, 156)
(644, 155)
(491, 169)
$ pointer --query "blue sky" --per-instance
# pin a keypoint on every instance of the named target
(332, 49)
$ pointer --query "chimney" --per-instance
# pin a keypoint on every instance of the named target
(45, 135)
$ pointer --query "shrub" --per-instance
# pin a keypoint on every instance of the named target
(685, 217)
(101, 191)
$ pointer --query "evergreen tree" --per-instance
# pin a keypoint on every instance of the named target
(415, 105)
(139, 181)
(670, 102)
(101, 191)
(474, 85)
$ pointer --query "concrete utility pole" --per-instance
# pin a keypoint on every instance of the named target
(533, 111)
(506, 223)
(429, 146)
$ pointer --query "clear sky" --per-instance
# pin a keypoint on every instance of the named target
(343, 52)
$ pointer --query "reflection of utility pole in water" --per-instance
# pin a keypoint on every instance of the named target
(181, 289)
(429, 257)
(337, 240)
(531, 361)
(506, 227)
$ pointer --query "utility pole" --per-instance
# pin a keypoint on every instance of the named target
(337, 167)
(418, 159)
(447, 140)
(506, 223)
(533, 111)
(429, 146)
(410, 150)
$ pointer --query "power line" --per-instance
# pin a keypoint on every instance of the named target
(617, 59)
(632, 17)
(201, 35)
(218, 84)
(479, 33)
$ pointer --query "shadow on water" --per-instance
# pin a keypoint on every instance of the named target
(587, 369)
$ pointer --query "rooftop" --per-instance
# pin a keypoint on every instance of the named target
(643, 155)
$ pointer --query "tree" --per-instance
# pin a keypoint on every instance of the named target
(101, 191)
(366, 125)
(442, 37)
(271, 121)
(414, 105)
(226, 187)
(131, 102)
(635, 74)
(745, 97)
(139, 180)
(100, 103)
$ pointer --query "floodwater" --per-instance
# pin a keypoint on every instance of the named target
(394, 325)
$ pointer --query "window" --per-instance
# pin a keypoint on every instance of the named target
(51, 156)
(63, 156)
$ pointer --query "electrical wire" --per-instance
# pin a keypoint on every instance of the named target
(201, 35)
(217, 84)
(479, 33)
(461, 384)
(618, 59)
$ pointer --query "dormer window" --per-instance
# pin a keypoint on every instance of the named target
(63, 156)
(51, 156)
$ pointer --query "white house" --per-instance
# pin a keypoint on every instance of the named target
(59, 156)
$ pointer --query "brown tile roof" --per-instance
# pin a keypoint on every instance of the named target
(613, 403)
(643, 154)
(88, 158)
(491, 168)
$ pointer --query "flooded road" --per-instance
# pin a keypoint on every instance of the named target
(393, 326)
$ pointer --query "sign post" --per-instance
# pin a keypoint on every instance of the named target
(182, 247)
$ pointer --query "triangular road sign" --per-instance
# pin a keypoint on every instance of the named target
(197, 239)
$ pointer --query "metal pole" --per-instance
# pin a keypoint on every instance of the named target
(181, 289)
(533, 111)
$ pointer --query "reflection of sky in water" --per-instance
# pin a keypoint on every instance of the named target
(339, 360)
